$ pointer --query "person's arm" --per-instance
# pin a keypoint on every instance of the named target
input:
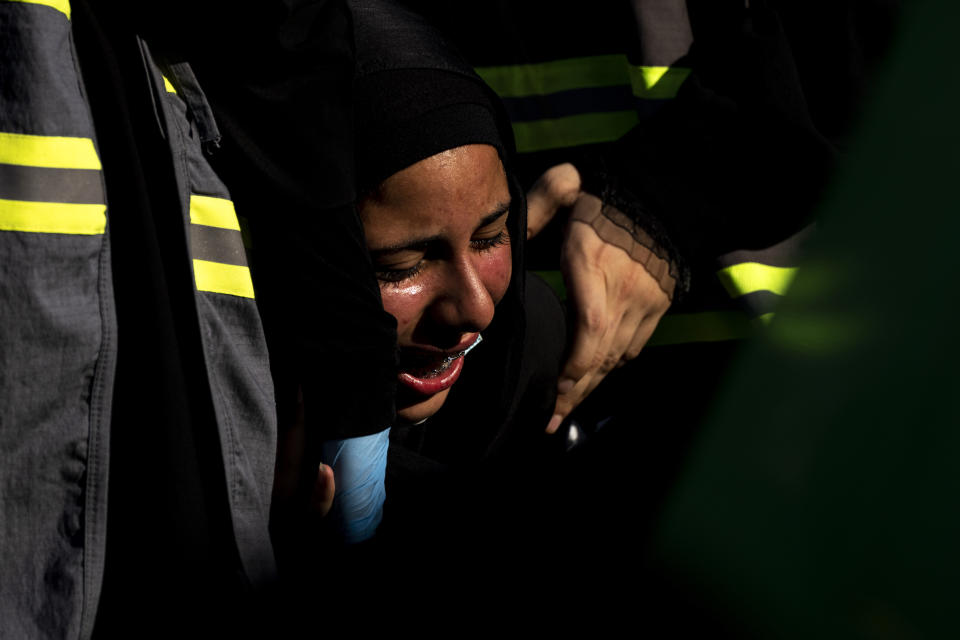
(732, 161)
(618, 288)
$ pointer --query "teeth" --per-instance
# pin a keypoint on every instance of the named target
(448, 360)
(470, 348)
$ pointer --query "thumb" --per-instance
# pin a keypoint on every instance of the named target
(321, 500)
(540, 210)
(556, 189)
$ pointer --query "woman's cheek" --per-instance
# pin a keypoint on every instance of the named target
(404, 303)
(496, 268)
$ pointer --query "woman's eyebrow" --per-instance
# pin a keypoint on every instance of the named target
(501, 209)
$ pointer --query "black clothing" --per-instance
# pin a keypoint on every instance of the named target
(283, 103)
(703, 166)
(277, 78)
(411, 114)
(149, 316)
(165, 464)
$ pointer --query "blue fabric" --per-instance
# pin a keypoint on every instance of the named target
(359, 468)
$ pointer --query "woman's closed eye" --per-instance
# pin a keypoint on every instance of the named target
(488, 243)
(398, 268)
(402, 262)
(396, 271)
(492, 231)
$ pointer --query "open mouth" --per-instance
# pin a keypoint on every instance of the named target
(431, 365)
(430, 373)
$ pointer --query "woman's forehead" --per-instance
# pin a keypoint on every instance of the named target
(460, 186)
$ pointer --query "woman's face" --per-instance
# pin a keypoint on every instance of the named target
(438, 238)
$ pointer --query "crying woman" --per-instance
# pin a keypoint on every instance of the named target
(480, 341)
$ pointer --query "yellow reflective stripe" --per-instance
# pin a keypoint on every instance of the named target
(709, 326)
(168, 85)
(747, 277)
(54, 152)
(213, 212)
(217, 277)
(571, 131)
(522, 80)
(63, 6)
(519, 80)
(53, 217)
(657, 82)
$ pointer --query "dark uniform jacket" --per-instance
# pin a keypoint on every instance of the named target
(131, 347)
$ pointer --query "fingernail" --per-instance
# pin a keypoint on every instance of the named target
(554, 423)
(565, 385)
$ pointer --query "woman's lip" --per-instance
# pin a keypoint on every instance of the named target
(468, 341)
(433, 352)
(442, 368)
(434, 384)
(413, 357)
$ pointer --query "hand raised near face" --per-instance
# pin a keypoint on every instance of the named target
(558, 188)
(616, 302)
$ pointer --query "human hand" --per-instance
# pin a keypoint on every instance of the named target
(324, 487)
(616, 301)
(558, 188)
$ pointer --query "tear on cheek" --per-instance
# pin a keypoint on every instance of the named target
(403, 304)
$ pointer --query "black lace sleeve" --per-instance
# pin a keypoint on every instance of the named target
(623, 221)
(734, 161)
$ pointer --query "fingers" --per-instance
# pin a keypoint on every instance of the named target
(568, 401)
(589, 299)
(556, 189)
(593, 353)
(630, 339)
(324, 487)
(540, 211)
(640, 338)
(624, 343)
(587, 291)
(617, 304)
(609, 357)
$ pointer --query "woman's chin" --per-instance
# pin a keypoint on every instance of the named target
(414, 410)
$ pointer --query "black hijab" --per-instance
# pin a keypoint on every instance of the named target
(414, 97)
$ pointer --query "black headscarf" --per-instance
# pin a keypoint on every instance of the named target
(415, 97)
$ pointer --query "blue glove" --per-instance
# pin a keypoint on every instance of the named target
(359, 469)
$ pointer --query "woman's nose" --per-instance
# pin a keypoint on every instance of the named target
(465, 303)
